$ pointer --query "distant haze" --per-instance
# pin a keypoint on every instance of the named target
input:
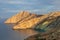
(11, 7)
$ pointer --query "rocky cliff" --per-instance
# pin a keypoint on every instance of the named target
(24, 20)
(50, 23)
(18, 17)
(52, 27)
(29, 23)
(53, 34)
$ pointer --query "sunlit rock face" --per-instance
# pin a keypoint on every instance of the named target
(28, 18)
(25, 20)
(29, 23)
(55, 14)
(18, 17)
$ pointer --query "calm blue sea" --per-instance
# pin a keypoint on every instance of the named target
(7, 33)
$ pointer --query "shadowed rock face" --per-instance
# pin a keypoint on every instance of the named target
(53, 34)
(49, 23)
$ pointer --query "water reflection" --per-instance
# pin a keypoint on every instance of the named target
(10, 24)
(24, 31)
(27, 32)
(21, 34)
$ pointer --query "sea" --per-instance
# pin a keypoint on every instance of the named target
(7, 33)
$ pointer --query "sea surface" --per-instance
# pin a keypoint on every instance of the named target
(7, 33)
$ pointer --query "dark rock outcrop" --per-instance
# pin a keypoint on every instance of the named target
(51, 26)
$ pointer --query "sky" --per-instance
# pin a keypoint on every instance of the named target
(9, 8)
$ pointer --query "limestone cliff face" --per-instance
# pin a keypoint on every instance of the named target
(29, 23)
(26, 20)
(18, 17)
(37, 20)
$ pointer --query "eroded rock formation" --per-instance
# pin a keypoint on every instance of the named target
(53, 34)
(18, 17)
(29, 23)
(24, 20)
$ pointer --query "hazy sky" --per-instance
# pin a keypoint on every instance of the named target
(11, 7)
